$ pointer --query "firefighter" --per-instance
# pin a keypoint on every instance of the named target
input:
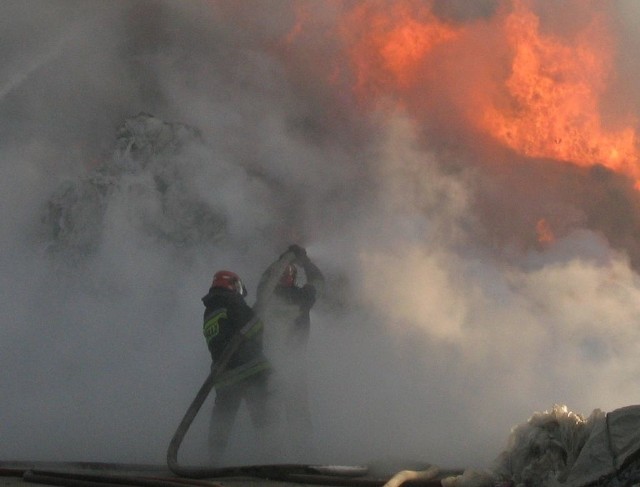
(233, 333)
(287, 323)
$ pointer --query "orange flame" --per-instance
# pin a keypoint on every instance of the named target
(544, 232)
(545, 104)
(555, 87)
(388, 45)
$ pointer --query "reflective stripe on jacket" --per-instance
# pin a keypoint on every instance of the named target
(237, 374)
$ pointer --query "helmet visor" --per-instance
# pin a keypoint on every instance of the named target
(242, 290)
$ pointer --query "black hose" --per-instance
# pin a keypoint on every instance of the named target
(35, 478)
(68, 479)
(282, 472)
(174, 445)
(265, 471)
(355, 482)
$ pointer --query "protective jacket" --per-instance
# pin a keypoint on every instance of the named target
(286, 316)
(226, 315)
(299, 300)
(288, 312)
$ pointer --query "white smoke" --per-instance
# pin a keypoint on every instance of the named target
(431, 343)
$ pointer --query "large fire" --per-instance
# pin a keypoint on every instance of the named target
(389, 45)
(554, 87)
(545, 101)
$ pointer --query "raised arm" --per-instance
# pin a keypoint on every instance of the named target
(269, 280)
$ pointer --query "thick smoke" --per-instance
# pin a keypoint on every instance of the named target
(144, 145)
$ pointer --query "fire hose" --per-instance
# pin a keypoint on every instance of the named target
(331, 475)
(79, 477)
(285, 472)
(334, 475)
(280, 471)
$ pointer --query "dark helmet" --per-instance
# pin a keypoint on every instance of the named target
(229, 280)
(288, 278)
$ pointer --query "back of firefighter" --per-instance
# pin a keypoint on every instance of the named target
(234, 335)
(287, 322)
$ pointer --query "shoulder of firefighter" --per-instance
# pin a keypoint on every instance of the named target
(308, 294)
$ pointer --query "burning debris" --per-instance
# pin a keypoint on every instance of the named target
(148, 167)
(143, 139)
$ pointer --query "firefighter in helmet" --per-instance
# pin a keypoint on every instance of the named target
(287, 322)
(233, 334)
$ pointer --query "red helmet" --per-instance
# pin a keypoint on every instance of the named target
(229, 280)
(288, 278)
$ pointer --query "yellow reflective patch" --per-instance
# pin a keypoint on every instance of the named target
(251, 327)
(211, 327)
(240, 373)
(257, 327)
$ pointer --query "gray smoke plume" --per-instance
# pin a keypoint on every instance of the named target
(146, 144)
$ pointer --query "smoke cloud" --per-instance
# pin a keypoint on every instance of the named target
(146, 144)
